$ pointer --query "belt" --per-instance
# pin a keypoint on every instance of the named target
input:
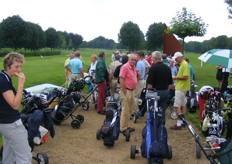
(75, 73)
(129, 89)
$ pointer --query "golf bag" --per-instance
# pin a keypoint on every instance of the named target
(192, 103)
(65, 107)
(110, 129)
(142, 104)
(154, 144)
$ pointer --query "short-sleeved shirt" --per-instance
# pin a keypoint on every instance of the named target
(7, 113)
(75, 64)
(183, 85)
(174, 70)
(159, 76)
(140, 66)
(129, 75)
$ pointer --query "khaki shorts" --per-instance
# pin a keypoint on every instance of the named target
(180, 99)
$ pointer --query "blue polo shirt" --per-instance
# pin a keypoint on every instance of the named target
(7, 113)
(75, 64)
(140, 66)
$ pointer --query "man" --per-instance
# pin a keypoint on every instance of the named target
(141, 70)
(80, 57)
(76, 68)
(128, 82)
(225, 76)
(101, 81)
(160, 78)
(182, 86)
(67, 73)
(190, 68)
(112, 67)
(165, 60)
(174, 72)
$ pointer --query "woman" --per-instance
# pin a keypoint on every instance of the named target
(93, 64)
(16, 148)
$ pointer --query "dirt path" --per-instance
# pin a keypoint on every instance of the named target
(79, 146)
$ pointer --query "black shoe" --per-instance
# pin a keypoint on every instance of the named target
(132, 116)
(101, 112)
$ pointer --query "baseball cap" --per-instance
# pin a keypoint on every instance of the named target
(177, 54)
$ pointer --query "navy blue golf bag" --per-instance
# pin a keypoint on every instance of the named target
(110, 129)
(154, 143)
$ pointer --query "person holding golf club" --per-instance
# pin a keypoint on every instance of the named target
(16, 148)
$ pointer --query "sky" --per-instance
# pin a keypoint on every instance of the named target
(94, 18)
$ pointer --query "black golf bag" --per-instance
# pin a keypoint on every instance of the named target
(110, 129)
(192, 103)
(65, 107)
(154, 144)
(142, 105)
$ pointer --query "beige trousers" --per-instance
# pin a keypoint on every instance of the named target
(127, 107)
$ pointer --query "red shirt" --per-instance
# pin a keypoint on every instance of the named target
(129, 75)
(149, 60)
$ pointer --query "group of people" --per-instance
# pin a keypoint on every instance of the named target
(153, 72)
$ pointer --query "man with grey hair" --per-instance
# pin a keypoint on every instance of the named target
(160, 79)
(128, 82)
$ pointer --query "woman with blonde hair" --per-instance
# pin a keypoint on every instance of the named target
(93, 64)
(16, 148)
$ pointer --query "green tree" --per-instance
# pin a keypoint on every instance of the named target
(131, 36)
(155, 36)
(35, 37)
(187, 24)
(229, 2)
(52, 38)
(14, 32)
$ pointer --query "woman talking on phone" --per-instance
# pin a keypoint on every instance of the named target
(16, 148)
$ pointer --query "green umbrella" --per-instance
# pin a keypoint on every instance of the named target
(221, 57)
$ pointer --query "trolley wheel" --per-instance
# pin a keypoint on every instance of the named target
(98, 134)
(127, 134)
(198, 151)
(42, 158)
(169, 152)
(80, 118)
(85, 105)
(133, 151)
(75, 124)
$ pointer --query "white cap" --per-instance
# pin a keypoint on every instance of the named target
(177, 54)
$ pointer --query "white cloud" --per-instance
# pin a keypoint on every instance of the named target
(93, 18)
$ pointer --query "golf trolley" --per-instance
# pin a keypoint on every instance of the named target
(220, 148)
(154, 145)
(110, 130)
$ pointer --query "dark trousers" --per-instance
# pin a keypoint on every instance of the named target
(164, 95)
(101, 95)
(225, 76)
